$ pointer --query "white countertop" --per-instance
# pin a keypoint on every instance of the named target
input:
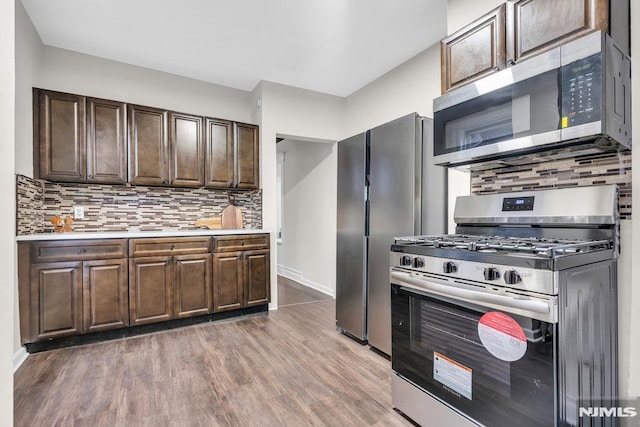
(73, 235)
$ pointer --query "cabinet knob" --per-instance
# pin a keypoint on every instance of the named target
(496, 68)
(511, 62)
(82, 251)
(173, 247)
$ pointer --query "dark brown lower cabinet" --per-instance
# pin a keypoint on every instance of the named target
(150, 289)
(192, 275)
(257, 274)
(71, 287)
(169, 287)
(105, 291)
(240, 279)
(75, 287)
(228, 282)
(56, 300)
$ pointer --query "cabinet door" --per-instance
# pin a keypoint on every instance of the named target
(106, 142)
(219, 161)
(148, 146)
(192, 285)
(187, 150)
(61, 138)
(534, 26)
(474, 51)
(247, 167)
(150, 290)
(56, 300)
(228, 289)
(257, 278)
(105, 295)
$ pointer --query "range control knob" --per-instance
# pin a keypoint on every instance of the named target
(449, 267)
(405, 260)
(511, 277)
(418, 262)
(491, 273)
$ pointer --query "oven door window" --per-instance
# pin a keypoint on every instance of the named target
(525, 108)
(436, 345)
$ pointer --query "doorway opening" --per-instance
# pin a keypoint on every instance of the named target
(306, 225)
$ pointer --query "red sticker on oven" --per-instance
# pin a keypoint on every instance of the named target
(502, 336)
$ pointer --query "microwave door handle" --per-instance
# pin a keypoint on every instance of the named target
(405, 279)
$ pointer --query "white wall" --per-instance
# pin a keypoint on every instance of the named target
(29, 65)
(309, 183)
(73, 72)
(410, 87)
(7, 183)
(290, 112)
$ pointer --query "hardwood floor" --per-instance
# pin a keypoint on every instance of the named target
(292, 292)
(288, 367)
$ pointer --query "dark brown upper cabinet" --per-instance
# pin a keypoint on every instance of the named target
(232, 159)
(521, 29)
(148, 146)
(186, 144)
(535, 26)
(474, 51)
(219, 160)
(106, 141)
(61, 144)
(82, 139)
(247, 156)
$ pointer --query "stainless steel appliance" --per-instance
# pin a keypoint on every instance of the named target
(512, 320)
(569, 101)
(387, 186)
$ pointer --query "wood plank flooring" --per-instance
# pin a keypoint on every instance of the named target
(288, 367)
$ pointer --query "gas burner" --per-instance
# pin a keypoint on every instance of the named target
(533, 246)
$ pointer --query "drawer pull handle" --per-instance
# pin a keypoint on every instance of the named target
(82, 251)
(173, 247)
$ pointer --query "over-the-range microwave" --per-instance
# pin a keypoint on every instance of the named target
(570, 101)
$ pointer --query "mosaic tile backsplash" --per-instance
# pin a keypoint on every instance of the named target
(595, 169)
(122, 208)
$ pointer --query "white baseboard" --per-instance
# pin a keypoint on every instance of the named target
(18, 358)
(297, 276)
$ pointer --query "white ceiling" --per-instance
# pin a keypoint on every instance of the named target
(330, 46)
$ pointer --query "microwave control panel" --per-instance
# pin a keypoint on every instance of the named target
(582, 91)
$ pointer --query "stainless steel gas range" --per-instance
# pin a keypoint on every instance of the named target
(513, 319)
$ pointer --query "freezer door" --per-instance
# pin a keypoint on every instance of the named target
(434, 186)
(394, 210)
(351, 289)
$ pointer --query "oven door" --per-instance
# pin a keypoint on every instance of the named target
(494, 366)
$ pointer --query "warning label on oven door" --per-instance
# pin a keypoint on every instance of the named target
(453, 375)
(502, 336)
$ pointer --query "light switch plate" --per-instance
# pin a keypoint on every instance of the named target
(78, 212)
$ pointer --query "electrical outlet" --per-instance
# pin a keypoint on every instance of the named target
(78, 212)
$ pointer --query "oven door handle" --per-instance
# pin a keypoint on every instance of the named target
(405, 279)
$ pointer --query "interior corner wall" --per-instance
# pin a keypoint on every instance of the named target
(74, 72)
(309, 181)
(410, 87)
(29, 59)
(290, 111)
(7, 183)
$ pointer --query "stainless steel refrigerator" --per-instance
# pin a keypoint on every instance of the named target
(387, 187)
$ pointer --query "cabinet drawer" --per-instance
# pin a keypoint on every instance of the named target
(77, 250)
(240, 243)
(169, 246)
